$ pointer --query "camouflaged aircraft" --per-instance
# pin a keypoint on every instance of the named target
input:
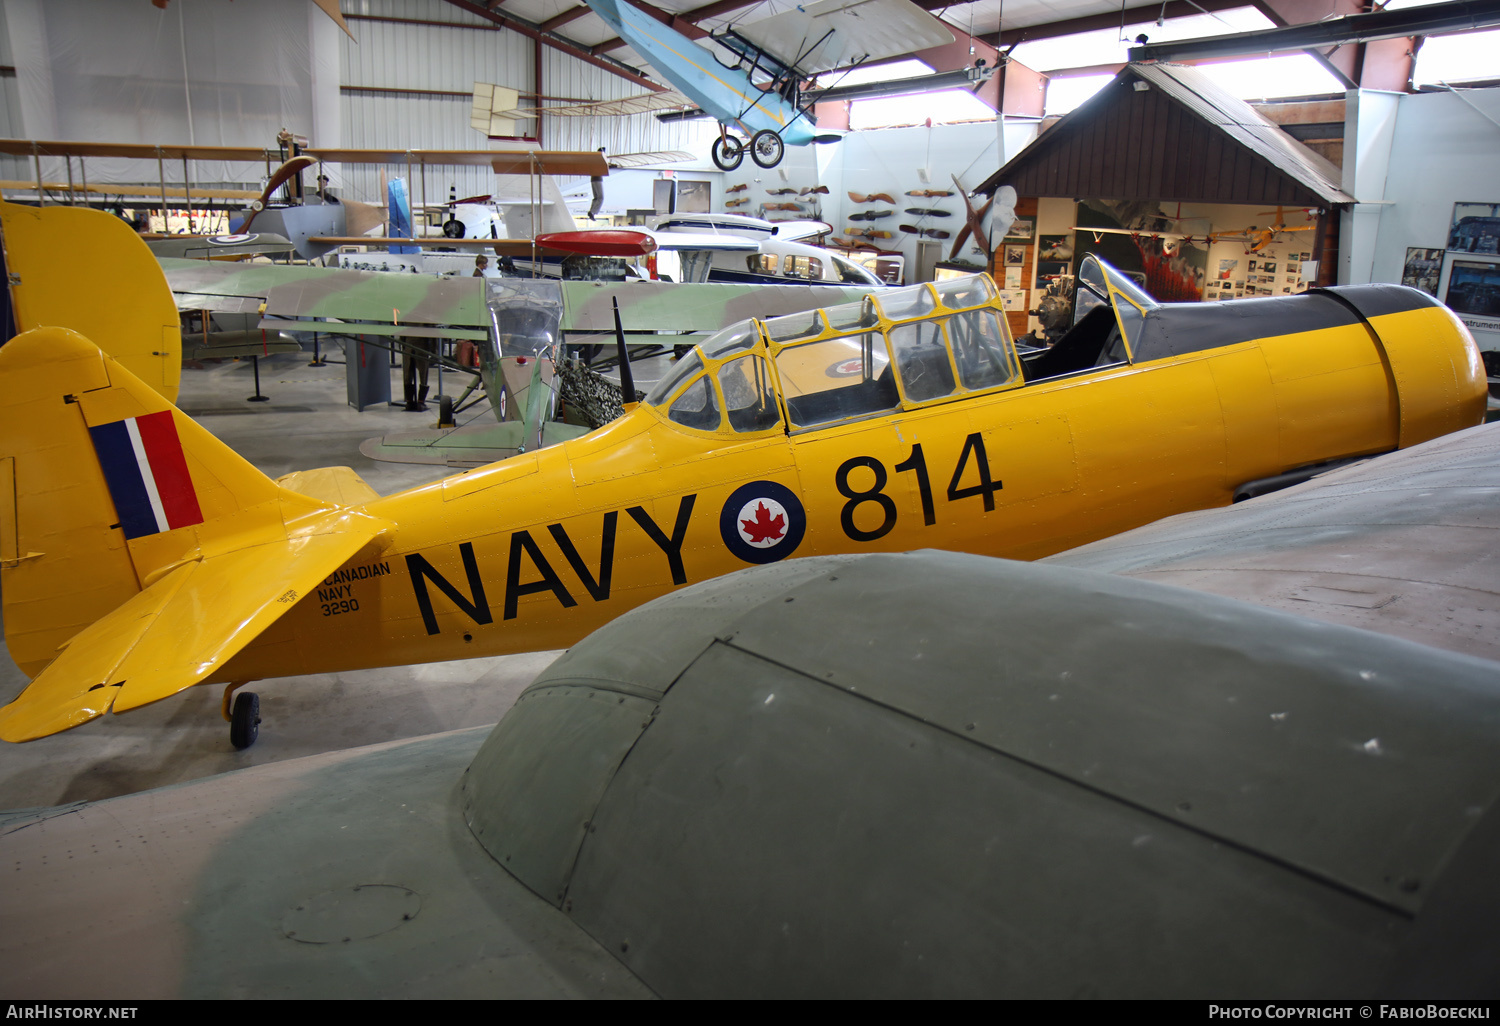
(141, 556)
(520, 328)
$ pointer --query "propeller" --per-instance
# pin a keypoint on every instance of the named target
(284, 172)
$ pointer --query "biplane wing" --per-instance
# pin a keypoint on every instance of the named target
(1144, 233)
(645, 103)
(835, 33)
(650, 158)
(339, 300)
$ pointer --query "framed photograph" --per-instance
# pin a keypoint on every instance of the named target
(1422, 269)
(1054, 247)
(1268, 266)
(692, 197)
(1475, 228)
(1226, 269)
(1015, 255)
(1021, 230)
(1470, 287)
(1250, 266)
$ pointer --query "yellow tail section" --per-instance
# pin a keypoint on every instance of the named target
(73, 267)
(138, 553)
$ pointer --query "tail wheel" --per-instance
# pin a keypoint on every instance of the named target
(727, 152)
(244, 722)
(766, 148)
(445, 411)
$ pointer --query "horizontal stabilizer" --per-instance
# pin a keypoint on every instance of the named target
(181, 629)
(341, 486)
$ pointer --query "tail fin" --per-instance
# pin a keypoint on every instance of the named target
(129, 308)
(137, 552)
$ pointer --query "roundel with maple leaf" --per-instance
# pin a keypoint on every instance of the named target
(762, 522)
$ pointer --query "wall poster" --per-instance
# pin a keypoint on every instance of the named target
(1475, 228)
(1422, 269)
(1471, 289)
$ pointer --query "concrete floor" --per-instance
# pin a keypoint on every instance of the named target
(307, 423)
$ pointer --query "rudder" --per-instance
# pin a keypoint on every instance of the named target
(128, 309)
(109, 486)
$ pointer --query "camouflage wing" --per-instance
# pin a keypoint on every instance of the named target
(363, 302)
(699, 309)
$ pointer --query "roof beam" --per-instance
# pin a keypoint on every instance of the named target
(686, 22)
(679, 22)
(560, 44)
(1458, 16)
(566, 16)
(1134, 16)
(1275, 18)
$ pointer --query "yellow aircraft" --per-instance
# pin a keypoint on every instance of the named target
(141, 556)
(1257, 239)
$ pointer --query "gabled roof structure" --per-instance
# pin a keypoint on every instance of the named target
(1166, 132)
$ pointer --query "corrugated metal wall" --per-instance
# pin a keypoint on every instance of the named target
(403, 56)
(386, 70)
(436, 58)
(12, 168)
(566, 76)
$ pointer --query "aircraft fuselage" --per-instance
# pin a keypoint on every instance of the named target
(537, 551)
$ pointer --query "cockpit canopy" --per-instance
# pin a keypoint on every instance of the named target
(899, 348)
(1102, 284)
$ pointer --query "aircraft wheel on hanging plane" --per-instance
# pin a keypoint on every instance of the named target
(728, 152)
(766, 148)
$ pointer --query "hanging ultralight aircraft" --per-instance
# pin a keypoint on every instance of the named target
(140, 556)
(760, 95)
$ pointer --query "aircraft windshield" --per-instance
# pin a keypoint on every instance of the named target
(1101, 283)
(852, 361)
(1120, 282)
(525, 315)
(733, 339)
(919, 345)
(686, 367)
